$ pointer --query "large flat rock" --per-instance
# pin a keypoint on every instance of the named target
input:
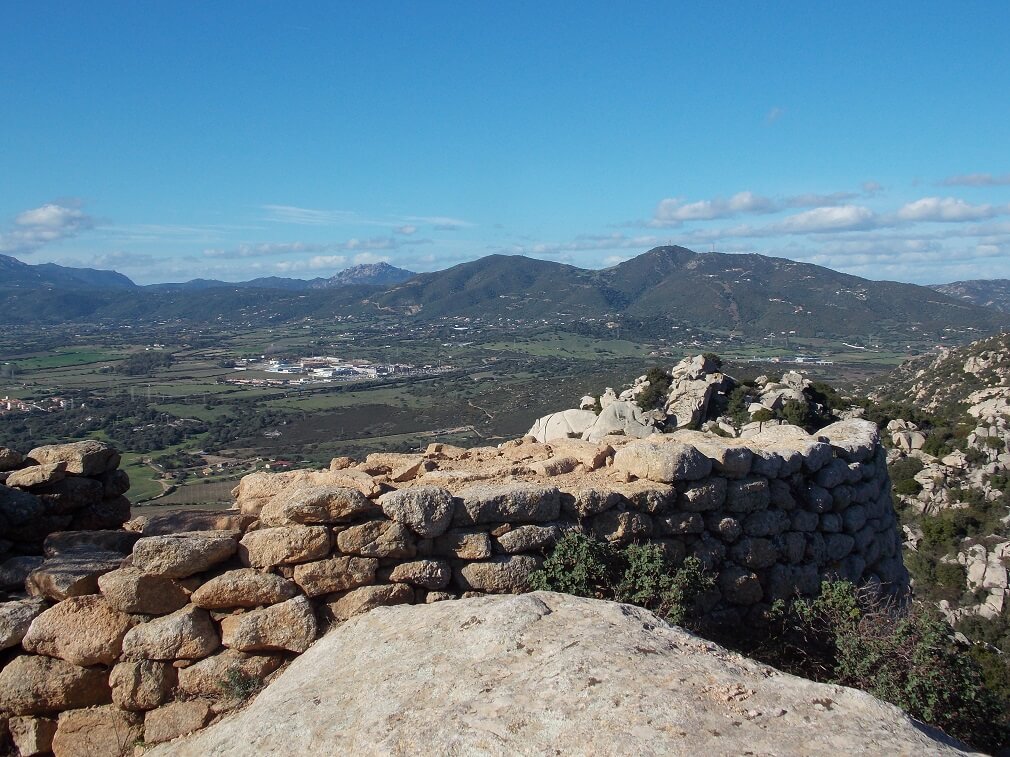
(545, 673)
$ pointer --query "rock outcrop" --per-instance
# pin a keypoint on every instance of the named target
(691, 395)
(546, 673)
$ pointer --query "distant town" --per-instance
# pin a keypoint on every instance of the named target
(321, 369)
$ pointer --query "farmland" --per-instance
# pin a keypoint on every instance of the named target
(495, 380)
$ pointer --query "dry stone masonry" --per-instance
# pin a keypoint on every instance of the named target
(158, 629)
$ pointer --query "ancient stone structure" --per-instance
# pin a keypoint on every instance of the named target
(60, 487)
(205, 606)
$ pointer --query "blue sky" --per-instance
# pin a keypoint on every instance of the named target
(231, 140)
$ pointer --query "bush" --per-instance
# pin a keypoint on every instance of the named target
(903, 654)
(639, 574)
(905, 468)
(239, 685)
(736, 405)
(655, 393)
(909, 487)
(580, 566)
(714, 359)
(797, 413)
(763, 415)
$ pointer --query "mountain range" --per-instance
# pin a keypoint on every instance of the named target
(749, 294)
(991, 293)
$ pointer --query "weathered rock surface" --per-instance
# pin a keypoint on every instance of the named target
(14, 571)
(245, 587)
(10, 459)
(15, 619)
(36, 475)
(141, 685)
(189, 520)
(175, 719)
(212, 676)
(567, 424)
(284, 545)
(98, 732)
(429, 574)
(86, 458)
(367, 598)
(187, 634)
(377, 538)
(133, 591)
(182, 555)
(523, 503)
(82, 630)
(306, 504)
(35, 684)
(665, 461)
(335, 574)
(32, 735)
(288, 626)
(71, 575)
(545, 674)
(65, 542)
(426, 510)
(508, 573)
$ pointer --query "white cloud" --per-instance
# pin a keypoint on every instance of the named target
(872, 187)
(977, 180)
(309, 216)
(44, 225)
(674, 211)
(267, 249)
(264, 249)
(441, 223)
(945, 209)
(369, 257)
(827, 219)
(814, 200)
(406, 229)
(316, 263)
(774, 114)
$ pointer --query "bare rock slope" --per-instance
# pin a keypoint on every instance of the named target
(545, 673)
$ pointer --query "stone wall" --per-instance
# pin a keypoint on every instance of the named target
(157, 634)
(60, 487)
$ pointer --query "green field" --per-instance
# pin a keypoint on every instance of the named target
(502, 380)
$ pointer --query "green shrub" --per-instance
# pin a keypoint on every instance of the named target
(736, 405)
(797, 413)
(639, 574)
(580, 566)
(763, 415)
(655, 393)
(824, 394)
(994, 442)
(951, 578)
(909, 487)
(938, 444)
(714, 359)
(904, 468)
(1000, 482)
(903, 654)
(976, 457)
(239, 685)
